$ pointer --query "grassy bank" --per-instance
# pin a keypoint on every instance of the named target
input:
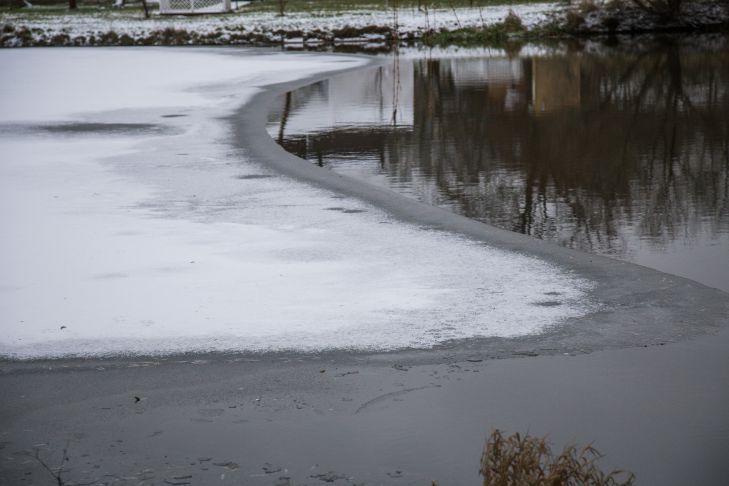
(369, 5)
(510, 31)
(364, 23)
(270, 6)
(254, 25)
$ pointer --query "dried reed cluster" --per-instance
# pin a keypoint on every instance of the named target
(517, 460)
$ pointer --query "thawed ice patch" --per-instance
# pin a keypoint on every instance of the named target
(173, 242)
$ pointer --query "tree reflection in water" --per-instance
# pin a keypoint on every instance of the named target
(602, 150)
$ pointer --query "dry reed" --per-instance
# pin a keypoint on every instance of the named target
(517, 460)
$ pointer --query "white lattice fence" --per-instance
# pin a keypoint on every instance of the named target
(193, 6)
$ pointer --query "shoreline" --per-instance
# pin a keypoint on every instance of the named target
(359, 30)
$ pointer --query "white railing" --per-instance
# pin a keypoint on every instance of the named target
(193, 6)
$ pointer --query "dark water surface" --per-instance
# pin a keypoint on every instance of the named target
(621, 150)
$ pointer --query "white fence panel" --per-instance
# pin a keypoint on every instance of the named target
(193, 6)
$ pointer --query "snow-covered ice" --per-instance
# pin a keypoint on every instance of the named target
(132, 225)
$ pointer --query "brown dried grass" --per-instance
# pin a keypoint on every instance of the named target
(517, 460)
(513, 23)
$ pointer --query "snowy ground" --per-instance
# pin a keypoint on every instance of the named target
(131, 225)
(311, 28)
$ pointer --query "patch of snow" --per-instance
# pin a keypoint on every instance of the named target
(410, 22)
(171, 240)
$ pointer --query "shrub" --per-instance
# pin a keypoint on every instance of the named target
(512, 23)
(171, 36)
(517, 460)
(573, 20)
(126, 40)
(60, 40)
(109, 38)
(588, 6)
(663, 8)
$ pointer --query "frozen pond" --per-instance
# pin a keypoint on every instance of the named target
(146, 211)
(619, 151)
(152, 214)
(133, 225)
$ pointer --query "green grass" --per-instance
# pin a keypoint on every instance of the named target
(496, 35)
(472, 36)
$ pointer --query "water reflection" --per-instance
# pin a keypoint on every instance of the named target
(621, 151)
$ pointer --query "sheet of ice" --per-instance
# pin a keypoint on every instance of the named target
(169, 240)
(107, 80)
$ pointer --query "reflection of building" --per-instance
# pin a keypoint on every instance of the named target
(548, 83)
(502, 79)
(555, 83)
(352, 99)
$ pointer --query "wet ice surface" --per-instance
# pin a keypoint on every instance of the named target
(168, 240)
